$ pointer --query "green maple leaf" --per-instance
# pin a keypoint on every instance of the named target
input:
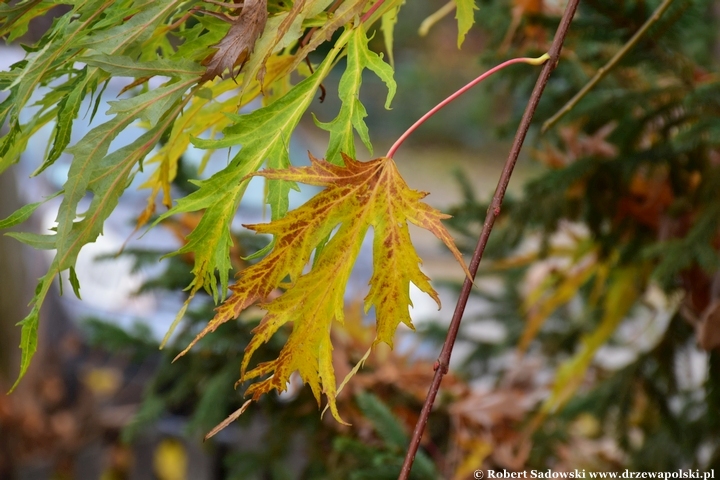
(352, 113)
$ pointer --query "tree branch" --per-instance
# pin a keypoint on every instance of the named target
(442, 365)
(605, 69)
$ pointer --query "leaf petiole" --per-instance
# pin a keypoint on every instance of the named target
(372, 10)
(532, 61)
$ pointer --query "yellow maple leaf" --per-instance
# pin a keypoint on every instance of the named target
(357, 196)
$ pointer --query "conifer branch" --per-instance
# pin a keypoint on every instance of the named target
(605, 69)
(443, 362)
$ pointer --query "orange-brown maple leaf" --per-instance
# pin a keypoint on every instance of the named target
(357, 196)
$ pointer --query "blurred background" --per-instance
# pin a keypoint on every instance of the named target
(590, 342)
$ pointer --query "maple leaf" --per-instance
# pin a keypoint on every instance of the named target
(352, 113)
(357, 196)
(235, 47)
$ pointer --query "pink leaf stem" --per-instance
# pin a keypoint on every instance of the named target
(532, 61)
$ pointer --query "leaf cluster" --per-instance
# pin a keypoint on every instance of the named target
(192, 67)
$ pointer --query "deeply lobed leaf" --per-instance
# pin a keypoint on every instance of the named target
(352, 113)
(357, 196)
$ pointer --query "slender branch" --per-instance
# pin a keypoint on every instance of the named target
(532, 61)
(442, 365)
(605, 69)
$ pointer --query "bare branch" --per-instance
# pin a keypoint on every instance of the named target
(442, 365)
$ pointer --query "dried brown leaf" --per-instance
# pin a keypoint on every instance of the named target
(231, 418)
(235, 47)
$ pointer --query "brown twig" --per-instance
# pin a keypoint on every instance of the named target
(443, 362)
